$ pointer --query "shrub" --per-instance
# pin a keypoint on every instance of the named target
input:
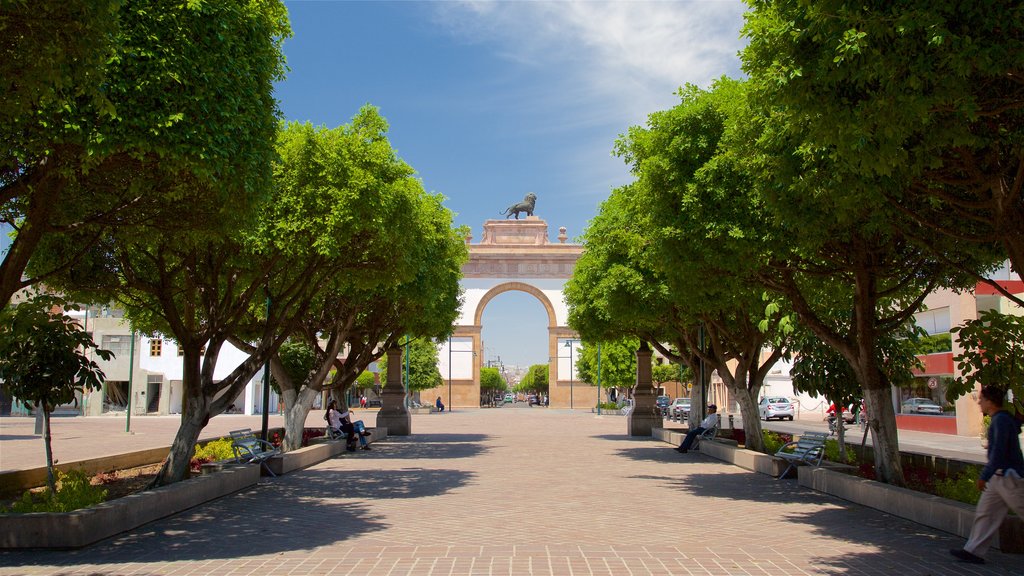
(773, 441)
(962, 488)
(73, 492)
(215, 450)
(608, 405)
(310, 433)
(832, 453)
(212, 451)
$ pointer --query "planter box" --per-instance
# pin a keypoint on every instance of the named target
(932, 511)
(317, 452)
(89, 525)
(728, 451)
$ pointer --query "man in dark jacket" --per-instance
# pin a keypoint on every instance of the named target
(1002, 479)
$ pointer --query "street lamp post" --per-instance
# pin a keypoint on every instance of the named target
(598, 378)
(568, 344)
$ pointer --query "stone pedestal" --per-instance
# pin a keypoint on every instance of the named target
(645, 415)
(393, 413)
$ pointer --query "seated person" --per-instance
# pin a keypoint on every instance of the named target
(439, 405)
(340, 422)
(710, 422)
(354, 430)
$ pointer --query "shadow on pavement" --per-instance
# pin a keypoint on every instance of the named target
(429, 447)
(907, 547)
(301, 511)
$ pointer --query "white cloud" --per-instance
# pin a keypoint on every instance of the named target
(617, 61)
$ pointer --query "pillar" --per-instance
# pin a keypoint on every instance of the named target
(645, 415)
(394, 415)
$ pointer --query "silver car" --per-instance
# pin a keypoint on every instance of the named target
(775, 407)
(921, 406)
(679, 408)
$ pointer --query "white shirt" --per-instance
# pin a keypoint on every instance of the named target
(710, 422)
(334, 419)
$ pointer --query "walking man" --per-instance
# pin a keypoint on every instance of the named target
(1002, 479)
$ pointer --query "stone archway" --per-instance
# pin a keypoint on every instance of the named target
(513, 255)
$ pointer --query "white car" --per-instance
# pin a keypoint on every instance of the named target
(679, 408)
(921, 406)
(775, 407)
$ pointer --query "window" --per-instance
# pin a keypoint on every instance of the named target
(118, 344)
(156, 347)
(933, 321)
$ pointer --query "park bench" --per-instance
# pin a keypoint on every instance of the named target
(708, 435)
(250, 449)
(809, 448)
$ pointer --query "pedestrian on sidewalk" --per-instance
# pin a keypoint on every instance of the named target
(710, 422)
(1002, 479)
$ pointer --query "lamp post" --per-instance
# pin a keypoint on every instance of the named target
(568, 344)
(598, 378)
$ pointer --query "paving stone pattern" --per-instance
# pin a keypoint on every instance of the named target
(521, 491)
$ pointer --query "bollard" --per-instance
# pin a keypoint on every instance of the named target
(731, 427)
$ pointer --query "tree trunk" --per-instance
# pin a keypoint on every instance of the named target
(296, 408)
(194, 416)
(747, 399)
(882, 422)
(47, 446)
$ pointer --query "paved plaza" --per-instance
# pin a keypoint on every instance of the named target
(517, 491)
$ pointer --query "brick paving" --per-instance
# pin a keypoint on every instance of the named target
(521, 491)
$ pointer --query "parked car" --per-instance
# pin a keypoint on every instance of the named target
(775, 407)
(509, 398)
(662, 403)
(921, 406)
(532, 399)
(680, 408)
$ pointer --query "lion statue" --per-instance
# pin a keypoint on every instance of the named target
(527, 205)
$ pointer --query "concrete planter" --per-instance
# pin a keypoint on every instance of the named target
(89, 525)
(316, 452)
(932, 511)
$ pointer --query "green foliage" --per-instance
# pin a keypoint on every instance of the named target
(662, 373)
(365, 379)
(490, 379)
(101, 135)
(215, 451)
(43, 357)
(618, 363)
(934, 343)
(73, 492)
(423, 371)
(772, 441)
(962, 488)
(608, 405)
(993, 354)
(535, 379)
(832, 453)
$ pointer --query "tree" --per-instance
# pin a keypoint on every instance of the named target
(701, 221)
(423, 371)
(618, 363)
(386, 250)
(907, 94)
(135, 116)
(828, 182)
(535, 380)
(44, 361)
(993, 354)
(663, 373)
(491, 380)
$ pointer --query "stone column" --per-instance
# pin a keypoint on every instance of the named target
(645, 415)
(393, 413)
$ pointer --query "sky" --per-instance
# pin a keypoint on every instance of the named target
(488, 101)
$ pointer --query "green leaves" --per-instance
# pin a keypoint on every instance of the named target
(992, 355)
(44, 354)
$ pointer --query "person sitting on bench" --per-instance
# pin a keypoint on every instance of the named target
(710, 422)
(342, 423)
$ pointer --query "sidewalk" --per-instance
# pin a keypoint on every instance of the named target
(80, 438)
(521, 492)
